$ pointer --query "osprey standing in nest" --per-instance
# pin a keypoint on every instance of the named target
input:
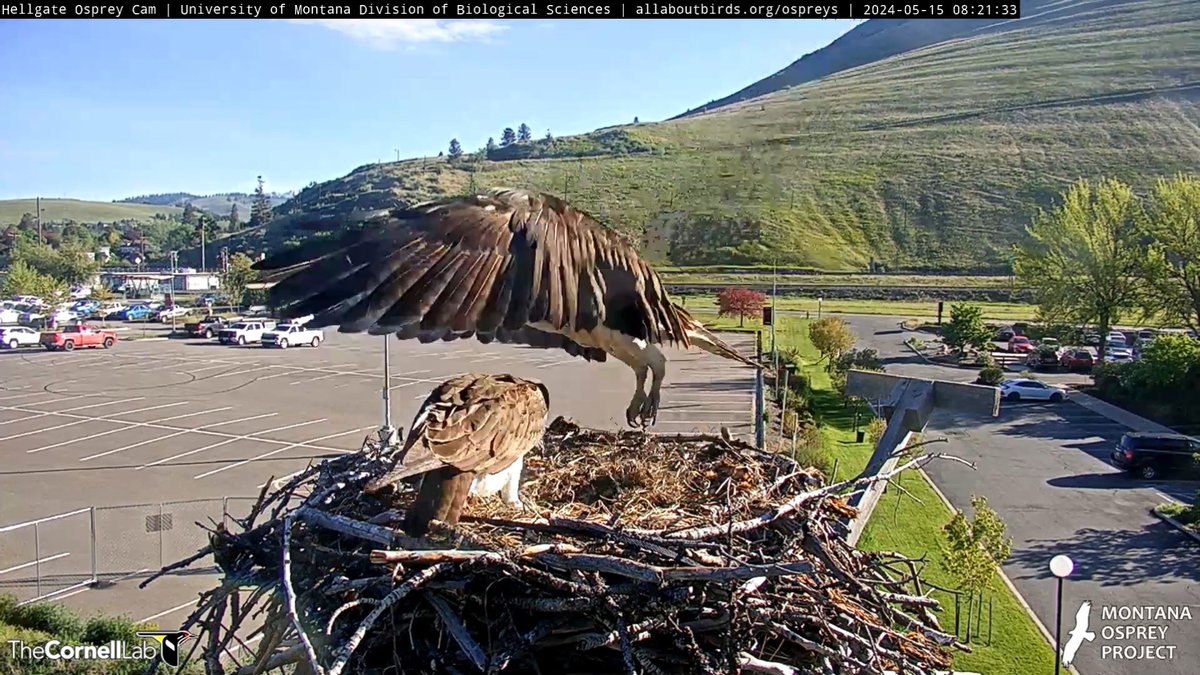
(510, 266)
(469, 437)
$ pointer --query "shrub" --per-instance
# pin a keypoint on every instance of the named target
(104, 629)
(1107, 376)
(991, 376)
(875, 429)
(49, 618)
(984, 359)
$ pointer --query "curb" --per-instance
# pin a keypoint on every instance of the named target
(1003, 577)
(149, 339)
(1176, 524)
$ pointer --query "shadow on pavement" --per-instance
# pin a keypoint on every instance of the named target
(1155, 554)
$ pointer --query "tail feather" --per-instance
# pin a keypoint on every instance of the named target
(701, 337)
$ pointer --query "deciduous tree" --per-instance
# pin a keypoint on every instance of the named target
(740, 302)
(1082, 258)
(974, 549)
(237, 276)
(1171, 224)
(966, 328)
(831, 336)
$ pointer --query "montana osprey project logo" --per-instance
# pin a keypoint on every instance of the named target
(170, 641)
(1079, 633)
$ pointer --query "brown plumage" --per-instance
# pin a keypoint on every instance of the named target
(510, 266)
(470, 427)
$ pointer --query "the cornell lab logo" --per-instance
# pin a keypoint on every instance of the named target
(170, 641)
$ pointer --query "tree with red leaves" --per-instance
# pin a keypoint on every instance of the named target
(741, 302)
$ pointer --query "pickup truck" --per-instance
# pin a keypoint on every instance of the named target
(209, 326)
(244, 331)
(287, 334)
(78, 335)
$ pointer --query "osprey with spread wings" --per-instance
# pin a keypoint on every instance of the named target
(510, 266)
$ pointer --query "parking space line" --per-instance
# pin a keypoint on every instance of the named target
(82, 407)
(102, 418)
(33, 563)
(249, 437)
(725, 423)
(241, 372)
(201, 370)
(39, 392)
(128, 425)
(155, 440)
(190, 603)
(279, 450)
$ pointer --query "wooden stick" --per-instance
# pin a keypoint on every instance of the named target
(289, 593)
(459, 631)
(414, 582)
(757, 665)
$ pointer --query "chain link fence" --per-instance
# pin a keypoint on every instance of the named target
(48, 557)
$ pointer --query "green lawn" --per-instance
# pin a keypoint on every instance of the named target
(58, 210)
(908, 309)
(913, 528)
(760, 277)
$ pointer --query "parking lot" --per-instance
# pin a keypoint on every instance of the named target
(1044, 468)
(158, 434)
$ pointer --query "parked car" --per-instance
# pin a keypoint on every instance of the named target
(209, 326)
(1120, 354)
(1004, 335)
(1050, 342)
(1020, 344)
(1045, 357)
(1032, 390)
(135, 313)
(1146, 334)
(1091, 339)
(165, 314)
(1150, 455)
(244, 332)
(12, 337)
(78, 335)
(9, 315)
(1116, 336)
(1077, 359)
(292, 333)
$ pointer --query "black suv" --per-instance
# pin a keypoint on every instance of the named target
(1150, 455)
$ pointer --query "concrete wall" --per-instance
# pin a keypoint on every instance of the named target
(878, 387)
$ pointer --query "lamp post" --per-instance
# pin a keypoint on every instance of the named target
(1061, 567)
(819, 298)
(174, 262)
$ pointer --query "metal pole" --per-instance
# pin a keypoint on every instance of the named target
(174, 259)
(1058, 628)
(38, 208)
(92, 529)
(774, 314)
(37, 558)
(387, 434)
(759, 405)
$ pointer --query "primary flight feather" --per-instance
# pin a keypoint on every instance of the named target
(509, 266)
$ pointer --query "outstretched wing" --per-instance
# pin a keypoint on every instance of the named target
(476, 424)
(1082, 616)
(488, 265)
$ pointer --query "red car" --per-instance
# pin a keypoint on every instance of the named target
(1020, 344)
(78, 335)
(1077, 359)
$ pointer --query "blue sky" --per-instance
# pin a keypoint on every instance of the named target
(110, 109)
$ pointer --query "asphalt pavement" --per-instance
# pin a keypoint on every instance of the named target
(139, 442)
(1044, 468)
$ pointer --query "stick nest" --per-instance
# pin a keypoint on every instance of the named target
(635, 553)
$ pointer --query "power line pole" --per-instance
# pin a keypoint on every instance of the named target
(202, 245)
(397, 154)
(38, 215)
(174, 262)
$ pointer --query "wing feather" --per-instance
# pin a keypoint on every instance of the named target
(474, 265)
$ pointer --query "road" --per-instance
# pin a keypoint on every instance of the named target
(1043, 468)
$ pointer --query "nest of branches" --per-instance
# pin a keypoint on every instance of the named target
(635, 553)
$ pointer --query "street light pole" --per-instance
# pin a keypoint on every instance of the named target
(1061, 567)
(387, 433)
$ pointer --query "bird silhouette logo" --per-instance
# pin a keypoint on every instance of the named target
(1079, 633)
(170, 641)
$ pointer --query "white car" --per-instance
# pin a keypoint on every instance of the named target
(9, 315)
(18, 336)
(176, 311)
(1120, 354)
(290, 334)
(1031, 390)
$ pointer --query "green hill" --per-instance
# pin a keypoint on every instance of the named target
(933, 159)
(58, 210)
(217, 205)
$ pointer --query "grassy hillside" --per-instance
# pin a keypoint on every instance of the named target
(57, 210)
(932, 160)
(217, 205)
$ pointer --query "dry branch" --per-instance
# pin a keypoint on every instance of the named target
(647, 554)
